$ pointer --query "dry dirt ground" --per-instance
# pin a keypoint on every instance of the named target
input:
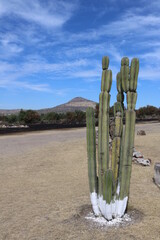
(44, 190)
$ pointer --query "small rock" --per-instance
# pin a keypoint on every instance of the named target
(141, 132)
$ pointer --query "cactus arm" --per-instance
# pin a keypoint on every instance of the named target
(128, 142)
(100, 156)
(115, 157)
(119, 82)
(116, 143)
(108, 193)
(103, 142)
(127, 153)
(91, 152)
(134, 74)
(103, 127)
(105, 131)
(105, 62)
(125, 73)
(106, 81)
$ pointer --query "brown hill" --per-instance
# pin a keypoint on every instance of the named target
(8, 112)
(76, 104)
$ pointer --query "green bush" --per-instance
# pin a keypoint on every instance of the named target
(70, 117)
(80, 116)
(50, 117)
(11, 119)
(148, 111)
(29, 116)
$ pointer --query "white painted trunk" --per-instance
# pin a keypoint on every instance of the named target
(116, 209)
(105, 208)
(94, 201)
(121, 207)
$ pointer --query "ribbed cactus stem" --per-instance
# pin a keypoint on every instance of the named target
(103, 128)
(131, 100)
(107, 193)
(103, 136)
(134, 74)
(120, 97)
(91, 151)
(106, 81)
(105, 62)
(125, 73)
(128, 141)
(116, 143)
(128, 144)
(119, 82)
(103, 141)
(118, 108)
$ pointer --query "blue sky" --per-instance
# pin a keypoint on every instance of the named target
(51, 50)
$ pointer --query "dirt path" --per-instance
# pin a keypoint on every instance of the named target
(44, 191)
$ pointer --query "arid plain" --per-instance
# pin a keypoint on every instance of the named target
(44, 190)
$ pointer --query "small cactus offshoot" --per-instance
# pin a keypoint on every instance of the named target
(109, 177)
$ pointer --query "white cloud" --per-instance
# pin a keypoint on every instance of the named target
(14, 75)
(128, 26)
(149, 73)
(77, 56)
(89, 50)
(9, 45)
(65, 91)
(49, 14)
(152, 56)
(85, 74)
(14, 84)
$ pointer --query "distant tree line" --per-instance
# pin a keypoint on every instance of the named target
(33, 117)
(143, 112)
(148, 112)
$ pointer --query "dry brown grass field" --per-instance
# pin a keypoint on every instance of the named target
(44, 192)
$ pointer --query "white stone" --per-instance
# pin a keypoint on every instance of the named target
(142, 161)
(103, 222)
(137, 155)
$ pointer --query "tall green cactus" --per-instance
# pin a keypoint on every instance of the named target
(109, 186)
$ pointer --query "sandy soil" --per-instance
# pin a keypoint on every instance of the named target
(44, 190)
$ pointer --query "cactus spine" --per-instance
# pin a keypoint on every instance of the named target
(109, 190)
